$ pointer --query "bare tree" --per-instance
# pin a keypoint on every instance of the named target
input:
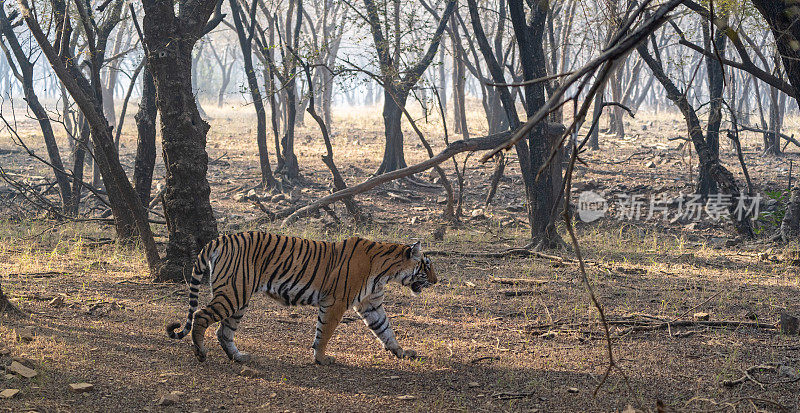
(716, 83)
(397, 82)
(542, 193)
(723, 178)
(245, 29)
(129, 215)
(23, 71)
(170, 34)
(226, 69)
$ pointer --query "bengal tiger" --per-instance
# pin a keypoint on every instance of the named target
(333, 276)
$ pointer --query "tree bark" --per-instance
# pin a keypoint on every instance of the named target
(78, 163)
(790, 227)
(772, 141)
(594, 136)
(169, 40)
(146, 143)
(541, 192)
(459, 72)
(781, 16)
(393, 156)
(716, 83)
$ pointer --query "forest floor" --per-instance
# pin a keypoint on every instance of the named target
(486, 344)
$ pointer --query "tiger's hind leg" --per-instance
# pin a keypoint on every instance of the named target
(227, 328)
(328, 318)
(216, 310)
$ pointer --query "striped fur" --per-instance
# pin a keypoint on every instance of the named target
(295, 271)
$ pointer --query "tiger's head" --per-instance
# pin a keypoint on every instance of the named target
(417, 272)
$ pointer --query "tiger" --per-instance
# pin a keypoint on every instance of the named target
(333, 276)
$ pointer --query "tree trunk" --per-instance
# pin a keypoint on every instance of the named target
(291, 169)
(716, 83)
(459, 111)
(790, 227)
(496, 117)
(772, 141)
(169, 40)
(327, 96)
(594, 138)
(78, 162)
(442, 89)
(226, 79)
(393, 156)
(245, 43)
(275, 115)
(146, 142)
(781, 17)
(7, 307)
(617, 123)
(542, 203)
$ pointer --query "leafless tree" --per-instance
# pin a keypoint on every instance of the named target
(245, 30)
(23, 72)
(170, 33)
(129, 215)
(396, 80)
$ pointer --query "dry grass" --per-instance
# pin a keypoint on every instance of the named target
(477, 343)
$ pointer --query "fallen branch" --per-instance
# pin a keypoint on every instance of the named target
(45, 274)
(695, 323)
(520, 252)
(519, 293)
(479, 359)
(476, 144)
(748, 375)
(636, 324)
(283, 213)
(759, 130)
(511, 396)
(513, 281)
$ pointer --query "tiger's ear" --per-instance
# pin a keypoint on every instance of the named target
(414, 251)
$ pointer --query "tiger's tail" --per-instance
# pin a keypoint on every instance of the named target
(205, 262)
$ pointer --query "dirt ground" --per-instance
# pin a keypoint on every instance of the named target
(534, 344)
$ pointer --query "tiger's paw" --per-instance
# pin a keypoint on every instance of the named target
(324, 360)
(404, 354)
(200, 352)
(241, 357)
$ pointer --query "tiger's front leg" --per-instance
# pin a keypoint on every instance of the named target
(375, 318)
(329, 317)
